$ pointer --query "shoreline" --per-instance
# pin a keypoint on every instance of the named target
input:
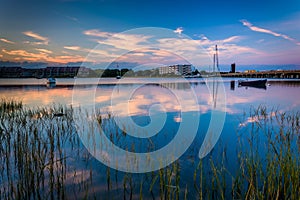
(67, 82)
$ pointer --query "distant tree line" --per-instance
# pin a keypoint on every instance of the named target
(130, 73)
(70, 72)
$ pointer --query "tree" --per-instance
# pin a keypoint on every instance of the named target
(196, 72)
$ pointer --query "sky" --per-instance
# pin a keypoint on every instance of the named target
(163, 32)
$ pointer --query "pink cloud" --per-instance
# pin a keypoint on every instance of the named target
(6, 41)
(42, 39)
(44, 51)
(74, 48)
(42, 55)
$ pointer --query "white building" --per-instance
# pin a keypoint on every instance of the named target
(176, 69)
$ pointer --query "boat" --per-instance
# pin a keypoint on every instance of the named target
(51, 81)
(253, 83)
(118, 73)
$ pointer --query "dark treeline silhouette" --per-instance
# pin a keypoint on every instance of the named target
(129, 73)
(70, 72)
(112, 72)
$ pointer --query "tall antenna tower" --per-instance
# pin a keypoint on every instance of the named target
(215, 82)
(216, 60)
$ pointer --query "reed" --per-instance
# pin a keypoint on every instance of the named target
(33, 152)
(267, 161)
(42, 157)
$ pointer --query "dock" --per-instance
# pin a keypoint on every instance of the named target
(279, 74)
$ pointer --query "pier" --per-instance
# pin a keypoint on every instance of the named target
(280, 74)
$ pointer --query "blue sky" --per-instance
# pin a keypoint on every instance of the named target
(62, 31)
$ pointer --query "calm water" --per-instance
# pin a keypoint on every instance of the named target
(34, 92)
(151, 111)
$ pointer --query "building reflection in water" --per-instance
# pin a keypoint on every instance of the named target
(232, 85)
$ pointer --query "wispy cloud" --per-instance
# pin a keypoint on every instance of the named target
(178, 30)
(42, 55)
(65, 59)
(35, 43)
(45, 51)
(6, 41)
(190, 44)
(121, 41)
(35, 36)
(267, 31)
(41, 39)
(197, 51)
(260, 41)
(98, 33)
(25, 54)
(232, 39)
(157, 49)
(72, 18)
(74, 48)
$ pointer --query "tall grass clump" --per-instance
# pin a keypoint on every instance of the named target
(271, 166)
(33, 151)
(266, 165)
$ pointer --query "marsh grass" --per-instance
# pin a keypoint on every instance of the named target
(270, 169)
(42, 157)
(267, 161)
(33, 151)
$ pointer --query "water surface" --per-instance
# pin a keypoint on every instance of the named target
(167, 100)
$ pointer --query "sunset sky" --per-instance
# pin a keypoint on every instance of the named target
(62, 31)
